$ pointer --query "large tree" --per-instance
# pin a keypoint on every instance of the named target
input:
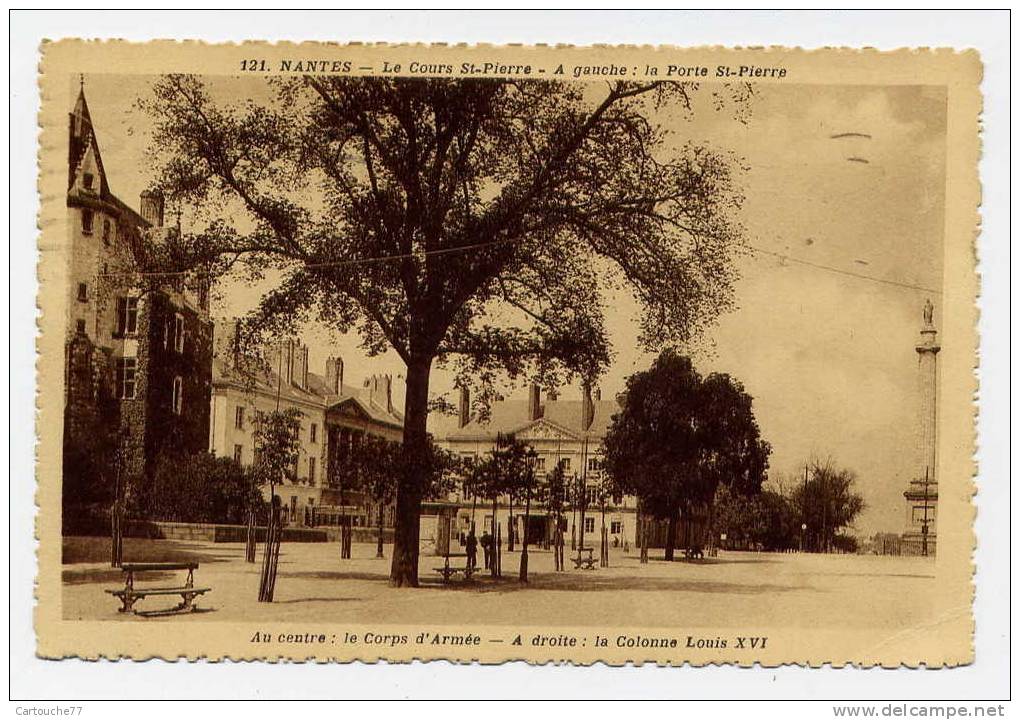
(466, 221)
(679, 436)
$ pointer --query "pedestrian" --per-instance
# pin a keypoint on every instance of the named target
(472, 551)
(487, 548)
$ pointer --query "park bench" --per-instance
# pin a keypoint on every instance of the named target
(448, 571)
(585, 559)
(130, 594)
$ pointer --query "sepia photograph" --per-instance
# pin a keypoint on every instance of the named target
(394, 353)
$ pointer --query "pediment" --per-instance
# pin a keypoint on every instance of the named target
(543, 429)
(348, 408)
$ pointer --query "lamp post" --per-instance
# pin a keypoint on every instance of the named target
(803, 527)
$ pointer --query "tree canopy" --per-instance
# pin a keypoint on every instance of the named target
(466, 221)
(680, 436)
(827, 503)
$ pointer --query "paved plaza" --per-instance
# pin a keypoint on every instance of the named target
(781, 590)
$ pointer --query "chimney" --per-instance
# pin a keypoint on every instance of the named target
(235, 345)
(151, 206)
(335, 375)
(288, 361)
(534, 402)
(587, 407)
(464, 408)
(304, 367)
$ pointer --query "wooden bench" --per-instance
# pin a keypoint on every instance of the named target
(130, 594)
(585, 561)
(448, 571)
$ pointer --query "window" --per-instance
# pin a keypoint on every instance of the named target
(565, 464)
(86, 222)
(238, 450)
(178, 395)
(615, 527)
(107, 227)
(589, 524)
(80, 327)
(540, 463)
(87, 179)
(126, 369)
(313, 433)
(127, 315)
(311, 471)
(178, 332)
(593, 495)
(239, 417)
(83, 292)
(594, 464)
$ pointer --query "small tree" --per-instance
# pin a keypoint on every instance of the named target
(555, 497)
(373, 467)
(828, 502)
(277, 447)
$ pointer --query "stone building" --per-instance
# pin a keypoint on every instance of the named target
(333, 416)
(567, 432)
(138, 347)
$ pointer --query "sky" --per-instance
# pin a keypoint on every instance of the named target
(841, 181)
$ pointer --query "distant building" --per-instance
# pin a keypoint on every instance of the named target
(570, 432)
(138, 348)
(333, 416)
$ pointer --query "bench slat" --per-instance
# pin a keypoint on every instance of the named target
(142, 592)
(143, 567)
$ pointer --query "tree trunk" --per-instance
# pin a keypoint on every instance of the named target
(510, 523)
(524, 540)
(404, 567)
(493, 557)
(379, 543)
(671, 535)
(644, 539)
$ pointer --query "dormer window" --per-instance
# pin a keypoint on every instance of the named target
(87, 180)
(83, 292)
(86, 222)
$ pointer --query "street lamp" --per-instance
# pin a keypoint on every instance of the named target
(803, 527)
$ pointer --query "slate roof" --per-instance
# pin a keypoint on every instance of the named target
(81, 136)
(317, 393)
(509, 416)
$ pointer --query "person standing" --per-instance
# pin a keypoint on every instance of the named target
(472, 551)
(487, 548)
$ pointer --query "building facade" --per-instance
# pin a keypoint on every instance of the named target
(138, 349)
(563, 432)
(332, 416)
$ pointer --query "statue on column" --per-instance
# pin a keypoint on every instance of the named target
(929, 311)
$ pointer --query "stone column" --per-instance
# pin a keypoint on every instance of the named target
(927, 354)
(923, 489)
